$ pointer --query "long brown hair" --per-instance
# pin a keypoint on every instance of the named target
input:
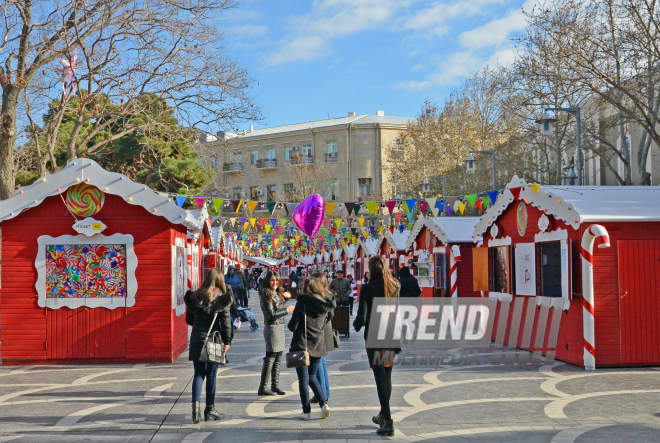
(213, 280)
(379, 272)
(318, 285)
(266, 291)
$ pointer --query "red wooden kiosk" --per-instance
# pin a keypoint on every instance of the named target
(442, 251)
(392, 246)
(94, 268)
(538, 241)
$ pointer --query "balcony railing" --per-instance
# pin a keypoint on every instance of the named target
(330, 157)
(267, 164)
(232, 167)
(302, 160)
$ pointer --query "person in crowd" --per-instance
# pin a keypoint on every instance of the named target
(322, 374)
(244, 290)
(211, 298)
(341, 288)
(232, 280)
(295, 282)
(409, 285)
(381, 284)
(314, 309)
(351, 299)
(365, 280)
(272, 299)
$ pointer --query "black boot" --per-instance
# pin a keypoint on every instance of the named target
(265, 373)
(378, 419)
(387, 428)
(212, 413)
(196, 412)
(275, 378)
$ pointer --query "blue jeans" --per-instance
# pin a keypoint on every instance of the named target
(208, 371)
(322, 377)
(307, 379)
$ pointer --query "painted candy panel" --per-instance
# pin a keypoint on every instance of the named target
(85, 271)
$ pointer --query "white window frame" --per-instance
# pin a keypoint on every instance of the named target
(271, 154)
(331, 147)
(307, 149)
(73, 303)
(288, 153)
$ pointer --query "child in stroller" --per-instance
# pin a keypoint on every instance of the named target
(246, 314)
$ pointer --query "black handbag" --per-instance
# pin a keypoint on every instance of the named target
(299, 359)
(213, 351)
(335, 338)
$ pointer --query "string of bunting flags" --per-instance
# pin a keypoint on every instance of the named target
(345, 223)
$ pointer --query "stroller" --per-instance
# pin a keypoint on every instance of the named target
(246, 314)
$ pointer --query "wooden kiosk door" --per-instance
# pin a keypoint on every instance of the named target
(639, 304)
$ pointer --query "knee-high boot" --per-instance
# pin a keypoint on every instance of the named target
(275, 376)
(265, 373)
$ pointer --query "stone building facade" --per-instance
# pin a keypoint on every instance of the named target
(347, 154)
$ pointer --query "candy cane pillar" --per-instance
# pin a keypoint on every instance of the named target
(588, 323)
(454, 257)
(189, 267)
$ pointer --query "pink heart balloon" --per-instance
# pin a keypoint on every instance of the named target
(308, 215)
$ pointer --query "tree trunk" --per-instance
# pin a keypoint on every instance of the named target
(7, 141)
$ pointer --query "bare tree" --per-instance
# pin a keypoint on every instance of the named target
(122, 51)
(309, 178)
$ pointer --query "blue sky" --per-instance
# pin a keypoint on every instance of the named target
(314, 58)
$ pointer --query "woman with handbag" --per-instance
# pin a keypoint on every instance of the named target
(331, 343)
(272, 298)
(314, 309)
(210, 309)
(381, 284)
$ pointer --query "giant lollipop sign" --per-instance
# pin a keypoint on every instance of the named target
(308, 215)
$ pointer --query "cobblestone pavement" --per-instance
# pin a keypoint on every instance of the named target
(151, 403)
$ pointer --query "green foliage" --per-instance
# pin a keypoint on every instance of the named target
(25, 178)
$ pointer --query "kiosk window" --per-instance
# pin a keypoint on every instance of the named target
(440, 271)
(501, 269)
(550, 264)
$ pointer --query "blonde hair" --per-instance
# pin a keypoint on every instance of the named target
(213, 280)
(318, 285)
(380, 272)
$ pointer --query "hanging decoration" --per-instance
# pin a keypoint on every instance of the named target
(84, 200)
(308, 215)
(69, 67)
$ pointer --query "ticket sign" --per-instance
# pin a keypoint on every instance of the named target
(89, 226)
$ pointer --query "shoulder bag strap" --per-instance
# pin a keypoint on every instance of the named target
(212, 323)
(305, 328)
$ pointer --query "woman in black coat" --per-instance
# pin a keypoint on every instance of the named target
(381, 284)
(409, 285)
(312, 312)
(212, 298)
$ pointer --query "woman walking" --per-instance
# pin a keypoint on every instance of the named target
(322, 374)
(314, 309)
(409, 285)
(351, 299)
(272, 300)
(212, 299)
(381, 284)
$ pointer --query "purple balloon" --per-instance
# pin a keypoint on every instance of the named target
(308, 215)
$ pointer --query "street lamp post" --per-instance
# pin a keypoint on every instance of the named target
(426, 186)
(471, 167)
(547, 120)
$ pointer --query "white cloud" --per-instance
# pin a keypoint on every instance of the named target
(247, 31)
(486, 45)
(437, 16)
(327, 20)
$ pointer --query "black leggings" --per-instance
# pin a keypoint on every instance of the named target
(350, 304)
(383, 376)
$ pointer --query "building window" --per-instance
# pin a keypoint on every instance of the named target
(333, 190)
(500, 262)
(237, 193)
(307, 150)
(440, 271)
(270, 153)
(288, 153)
(213, 161)
(254, 192)
(365, 186)
(254, 155)
(201, 161)
(397, 146)
(270, 192)
(238, 157)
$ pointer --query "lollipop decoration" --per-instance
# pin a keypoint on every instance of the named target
(308, 215)
(84, 200)
(69, 67)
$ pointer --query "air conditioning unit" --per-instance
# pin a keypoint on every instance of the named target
(260, 193)
(227, 195)
(295, 148)
(365, 181)
(242, 194)
(332, 155)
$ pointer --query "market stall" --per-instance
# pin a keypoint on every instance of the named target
(539, 241)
